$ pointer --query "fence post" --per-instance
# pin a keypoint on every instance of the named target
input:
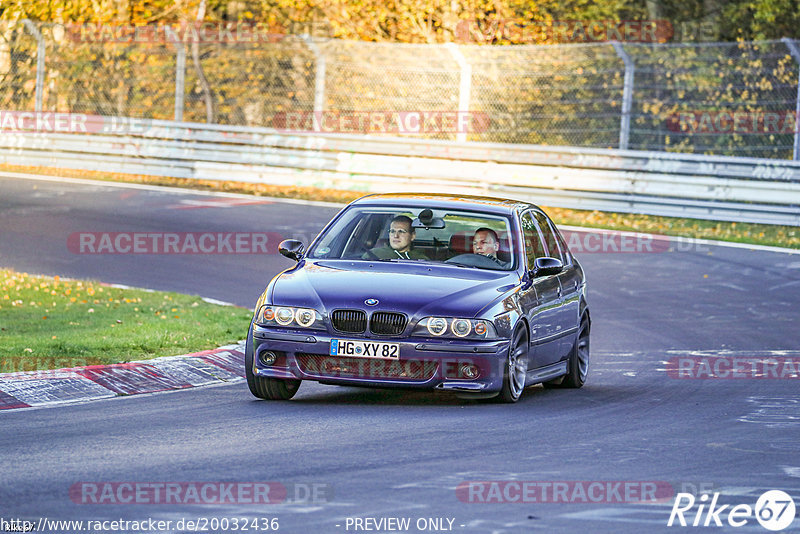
(792, 46)
(180, 77)
(39, 62)
(464, 86)
(627, 95)
(319, 76)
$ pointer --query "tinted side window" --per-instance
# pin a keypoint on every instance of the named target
(567, 255)
(549, 237)
(533, 242)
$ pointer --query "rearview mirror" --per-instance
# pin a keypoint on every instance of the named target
(547, 266)
(427, 220)
(292, 249)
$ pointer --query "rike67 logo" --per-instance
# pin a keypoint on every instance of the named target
(774, 510)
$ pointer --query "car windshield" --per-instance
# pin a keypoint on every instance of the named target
(463, 238)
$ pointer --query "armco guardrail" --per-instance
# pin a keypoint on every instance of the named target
(682, 185)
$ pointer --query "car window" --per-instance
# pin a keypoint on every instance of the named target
(334, 243)
(565, 253)
(533, 241)
(364, 233)
(550, 241)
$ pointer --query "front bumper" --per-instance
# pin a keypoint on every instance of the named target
(423, 363)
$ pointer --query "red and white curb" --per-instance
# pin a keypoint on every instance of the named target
(31, 389)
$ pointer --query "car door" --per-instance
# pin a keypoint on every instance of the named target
(569, 280)
(541, 300)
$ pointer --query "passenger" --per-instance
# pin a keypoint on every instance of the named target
(400, 246)
(486, 243)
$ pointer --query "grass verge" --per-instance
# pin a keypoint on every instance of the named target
(51, 323)
(758, 234)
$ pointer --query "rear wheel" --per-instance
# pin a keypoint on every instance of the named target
(264, 387)
(578, 364)
(516, 367)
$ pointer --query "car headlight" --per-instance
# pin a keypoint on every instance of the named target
(437, 325)
(455, 327)
(461, 327)
(271, 315)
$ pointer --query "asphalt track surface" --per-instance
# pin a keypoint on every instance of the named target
(380, 454)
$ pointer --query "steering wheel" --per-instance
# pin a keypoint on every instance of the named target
(475, 260)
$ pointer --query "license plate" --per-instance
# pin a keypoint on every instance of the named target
(364, 349)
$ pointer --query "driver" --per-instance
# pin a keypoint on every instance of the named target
(486, 243)
(400, 237)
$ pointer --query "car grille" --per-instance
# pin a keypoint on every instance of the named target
(350, 321)
(376, 368)
(387, 323)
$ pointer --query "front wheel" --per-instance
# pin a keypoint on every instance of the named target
(516, 367)
(263, 387)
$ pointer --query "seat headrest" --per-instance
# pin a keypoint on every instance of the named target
(461, 242)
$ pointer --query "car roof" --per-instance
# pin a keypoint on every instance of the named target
(439, 201)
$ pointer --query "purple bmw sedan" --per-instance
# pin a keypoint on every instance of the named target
(477, 296)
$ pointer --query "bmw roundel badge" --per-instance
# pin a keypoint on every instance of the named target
(371, 302)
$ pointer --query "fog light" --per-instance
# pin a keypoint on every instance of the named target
(267, 357)
(470, 371)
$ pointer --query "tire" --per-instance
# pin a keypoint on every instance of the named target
(578, 363)
(515, 368)
(266, 388)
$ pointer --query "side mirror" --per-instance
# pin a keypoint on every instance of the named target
(292, 249)
(547, 266)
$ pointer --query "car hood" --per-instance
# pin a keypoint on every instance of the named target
(415, 289)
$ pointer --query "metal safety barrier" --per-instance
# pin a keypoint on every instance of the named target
(655, 183)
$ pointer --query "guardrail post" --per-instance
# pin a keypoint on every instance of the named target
(627, 95)
(40, 51)
(464, 86)
(792, 46)
(180, 77)
(319, 75)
